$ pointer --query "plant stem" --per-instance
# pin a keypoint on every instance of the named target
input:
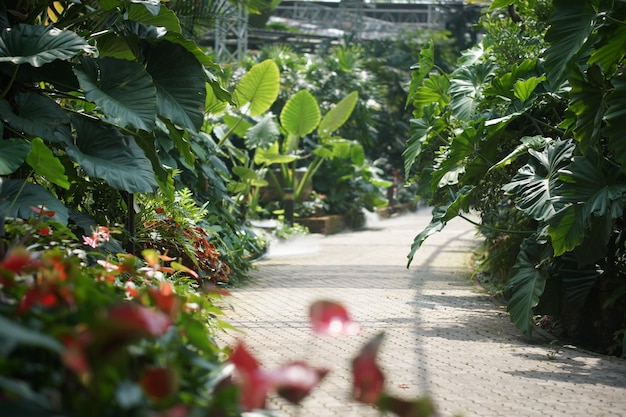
(10, 84)
(496, 229)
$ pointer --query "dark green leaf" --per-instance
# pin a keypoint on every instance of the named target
(577, 282)
(466, 88)
(13, 334)
(567, 229)
(164, 17)
(527, 282)
(587, 103)
(124, 91)
(39, 45)
(13, 153)
(612, 50)
(180, 83)
(18, 196)
(37, 116)
(528, 142)
(103, 152)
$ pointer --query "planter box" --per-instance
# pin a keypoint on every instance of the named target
(325, 225)
(389, 211)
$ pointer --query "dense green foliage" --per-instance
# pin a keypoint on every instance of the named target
(525, 132)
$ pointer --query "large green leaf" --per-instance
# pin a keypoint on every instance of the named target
(528, 142)
(37, 116)
(259, 87)
(180, 84)
(615, 116)
(441, 216)
(434, 89)
(262, 134)
(535, 183)
(466, 88)
(301, 114)
(572, 23)
(17, 197)
(612, 49)
(527, 282)
(587, 103)
(338, 115)
(523, 89)
(124, 91)
(39, 45)
(567, 229)
(13, 153)
(164, 18)
(271, 156)
(13, 334)
(114, 46)
(577, 282)
(463, 148)
(103, 152)
(46, 164)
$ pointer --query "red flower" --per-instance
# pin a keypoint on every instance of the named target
(42, 211)
(165, 298)
(140, 319)
(159, 382)
(331, 318)
(16, 260)
(49, 295)
(368, 378)
(293, 381)
(45, 231)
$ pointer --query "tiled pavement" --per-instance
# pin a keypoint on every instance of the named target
(443, 335)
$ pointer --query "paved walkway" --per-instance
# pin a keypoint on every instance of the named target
(443, 335)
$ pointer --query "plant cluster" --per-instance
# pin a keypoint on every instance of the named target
(526, 132)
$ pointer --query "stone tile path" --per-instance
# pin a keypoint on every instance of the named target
(443, 335)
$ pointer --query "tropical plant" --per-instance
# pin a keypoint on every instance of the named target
(544, 130)
(101, 101)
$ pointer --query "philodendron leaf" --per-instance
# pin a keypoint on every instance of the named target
(124, 91)
(43, 161)
(526, 284)
(164, 17)
(271, 156)
(301, 114)
(528, 142)
(103, 152)
(17, 197)
(577, 282)
(39, 45)
(180, 84)
(338, 115)
(259, 87)
(13, 153)
(37, 116)
(523, 89)
(534, 184)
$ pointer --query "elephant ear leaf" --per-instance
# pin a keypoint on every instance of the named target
(180, 84)
(338, 115)
(38, 116)
(18, 197)
(301, 114)
(259, 87)
(103, 152)
(123, 90)
(13, 153)
(39, 45)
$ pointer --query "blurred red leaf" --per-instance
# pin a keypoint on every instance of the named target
(331, 318)
(165, 298)
(296, 380)
(74, 355)
(254, 383)
(159, 382)
(138, 318)
(368, 379)
(16, 260)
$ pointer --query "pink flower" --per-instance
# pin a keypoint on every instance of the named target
(293, 381)
(139, 319)
(101, 234)
(368, 378)
(331, 318)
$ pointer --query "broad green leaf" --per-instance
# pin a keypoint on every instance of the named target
(180, 84)
(587, 103)
(18, 196)
(566, 230)
(38, 116)
(164, 18)
(421, 70)
(612, 50)
(259, 87)
(271, 156)
(46, 164)
(24, 400)
(236, 124)
(124, 91)
(535, 183)
(39, 45)
(452, 163)
(466, 88)
(181, 140)
(338, 115)
(497, 4)
(103, 152)
(357, 154)
(577, 282)
(527, 282)
(262, 134)
(195, 50)
(615, 116)
(213, 105)
(13, 153)
(434, 89)
(571, 25)
(246, 174)
(528, 142)
(523, 89)
(114, 46)
(153, 6)
(301, 114)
